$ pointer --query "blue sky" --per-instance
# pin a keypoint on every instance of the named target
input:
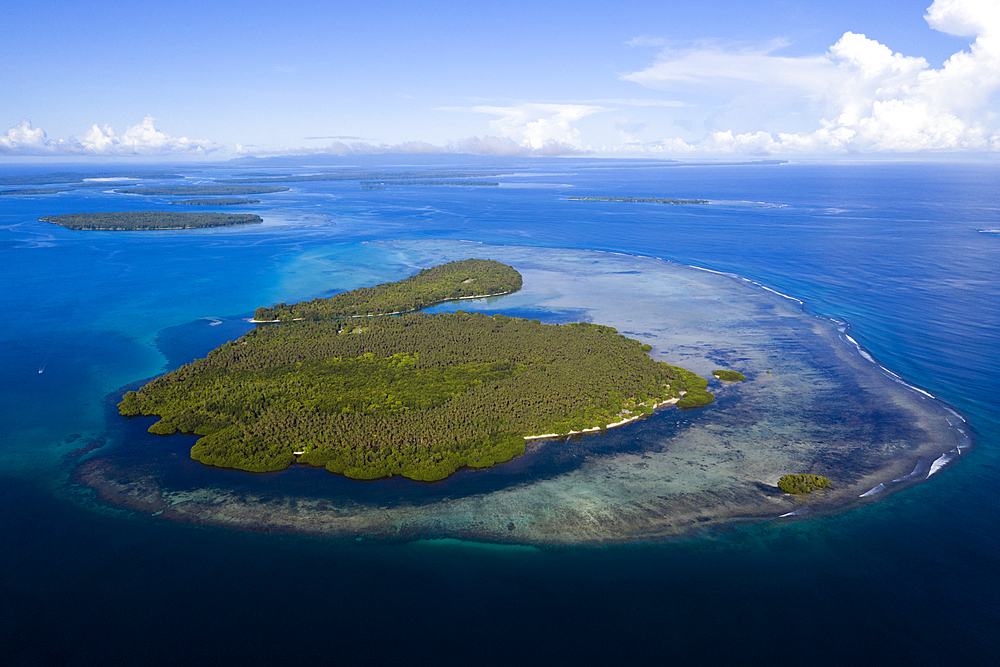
(656, 79)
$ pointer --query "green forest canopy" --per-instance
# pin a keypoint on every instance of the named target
(203, 190)
(416, 395)
(149, 220)
(446, 282)
(648, 200)
(216, 202)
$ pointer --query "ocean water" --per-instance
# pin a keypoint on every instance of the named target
(895, 251)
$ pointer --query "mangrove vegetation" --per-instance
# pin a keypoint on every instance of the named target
(648, 200)
(454, 280)
(129, 221)
(215, 202)
(803, 484)
(202, 190)
(418, 395)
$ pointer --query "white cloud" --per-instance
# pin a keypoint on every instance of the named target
(341, 148)
(861, 95)
(23, 137)
(544, 128)
(142, 139)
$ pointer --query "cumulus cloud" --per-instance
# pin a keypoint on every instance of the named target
(142, 139)
(23, 137)
(341, 148)
(861, 94)
(545, 129)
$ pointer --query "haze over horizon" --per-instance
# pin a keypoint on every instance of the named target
(715, 79)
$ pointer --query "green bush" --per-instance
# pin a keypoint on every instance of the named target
(803, 484)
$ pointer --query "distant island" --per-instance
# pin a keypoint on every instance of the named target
(357, 175)
(77, 179)
(203, 190)
(488, 184)
(216, 202)
(128, 221)
(415, 395)
(649, 200)
(34, 191)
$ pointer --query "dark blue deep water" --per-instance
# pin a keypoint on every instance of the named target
(896, 250)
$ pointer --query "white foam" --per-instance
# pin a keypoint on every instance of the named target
(878, 489)
(940, 462)
(917, 472)
(774, 291)
(701, 268)
(804, 510)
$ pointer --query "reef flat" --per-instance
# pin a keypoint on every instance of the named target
(810, 404)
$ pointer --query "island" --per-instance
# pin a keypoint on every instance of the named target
(216, 202)
(803, 484)
(77, 179)
(729, 376)
(488, 184)
(647, 200)
(416, 395)
(202, 190)
(360, 175)
(35, 191)
(128, 221)
(465, 279)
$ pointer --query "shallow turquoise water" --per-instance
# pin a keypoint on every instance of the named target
(892, 249)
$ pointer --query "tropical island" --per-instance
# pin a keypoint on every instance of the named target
(803, 484)
(417, 395)
(129, 221)
(34, 191)
(647, 200)
(77, 179)
(466, 279)
(729, 376)
(382, 184)
(215, 202)
(202, 190)
(357, 175)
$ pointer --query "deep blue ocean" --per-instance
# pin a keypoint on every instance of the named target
(900, 251)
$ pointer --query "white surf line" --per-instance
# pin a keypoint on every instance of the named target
(878, 489)
(804, 510)
(747, 280)
(843, 327)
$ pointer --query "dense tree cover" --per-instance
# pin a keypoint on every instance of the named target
(203, 190)
(802, 484)
(652, 200)
(416, 395)
(216, 202)
(427, 182)
(356, 175)
(729, 376)
(148, 220)
(696, 391)
(35, 191)
(454, 280)
(77, 178)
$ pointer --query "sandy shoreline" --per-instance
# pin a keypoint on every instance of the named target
(597, 429)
